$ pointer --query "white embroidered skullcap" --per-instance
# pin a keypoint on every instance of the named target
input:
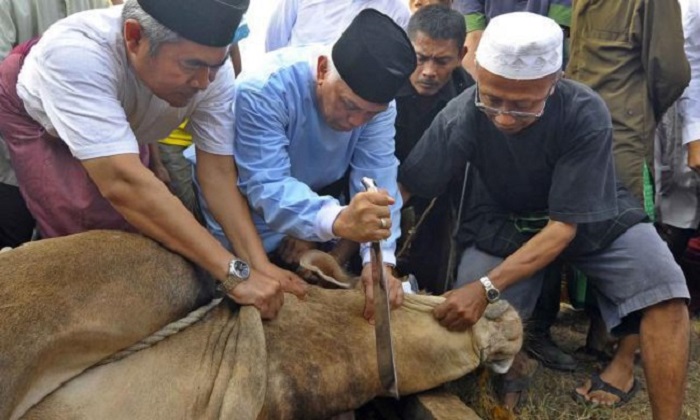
(521, 46)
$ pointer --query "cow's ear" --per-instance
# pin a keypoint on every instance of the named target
(325, 270)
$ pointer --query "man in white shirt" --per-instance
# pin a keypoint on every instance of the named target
(77, 108)
(298, 23)
(678, 146)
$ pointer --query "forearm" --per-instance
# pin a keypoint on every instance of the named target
(218, 177)
(534, 255)
(146, 203)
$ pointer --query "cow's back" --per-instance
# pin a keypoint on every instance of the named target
(67, 303)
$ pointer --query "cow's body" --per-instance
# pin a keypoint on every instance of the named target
(78, 299)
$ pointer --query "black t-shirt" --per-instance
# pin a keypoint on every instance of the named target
(415, 113)
(562, 165)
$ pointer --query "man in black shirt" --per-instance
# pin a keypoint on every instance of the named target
(437, 34)
(542, 146)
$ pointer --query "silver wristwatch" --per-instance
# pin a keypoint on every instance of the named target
(492, 294)
(239, 269)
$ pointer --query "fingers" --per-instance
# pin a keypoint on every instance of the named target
(260, 291)
(454, 314)
(379, 198)
(296, 286)
(366, 219)
(269, 308)
(440, 312)
(449, 318)
(395, 292)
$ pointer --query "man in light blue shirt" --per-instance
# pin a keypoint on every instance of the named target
(304, 120)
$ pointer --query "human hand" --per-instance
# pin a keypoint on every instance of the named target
(291, 249)
(366, 219)
(290, 282)
(258, 290)
(462, 307)
(694, 155)
(394, 285)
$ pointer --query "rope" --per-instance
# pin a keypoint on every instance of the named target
(412, 232)
(165, 332)
(449, 279)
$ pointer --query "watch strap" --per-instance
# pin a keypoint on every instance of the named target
(230, 283)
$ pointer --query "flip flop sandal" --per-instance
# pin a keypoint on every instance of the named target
(598, 384)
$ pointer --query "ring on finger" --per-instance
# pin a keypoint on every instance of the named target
(382, 223)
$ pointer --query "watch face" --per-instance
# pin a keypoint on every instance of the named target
(241, 269)
(492, 295)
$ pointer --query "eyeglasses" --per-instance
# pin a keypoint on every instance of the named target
(518, 115)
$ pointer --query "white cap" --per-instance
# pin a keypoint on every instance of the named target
(521, 46)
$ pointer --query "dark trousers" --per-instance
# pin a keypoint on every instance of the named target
(547, 308)
(16, 223)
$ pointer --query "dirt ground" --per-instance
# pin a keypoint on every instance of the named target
(550, 395)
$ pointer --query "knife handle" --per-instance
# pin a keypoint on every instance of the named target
(369, 184)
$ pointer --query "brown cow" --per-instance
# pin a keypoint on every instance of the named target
(70, 302)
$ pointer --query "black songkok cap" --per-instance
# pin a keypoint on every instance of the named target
(374, 56)
(206, 22)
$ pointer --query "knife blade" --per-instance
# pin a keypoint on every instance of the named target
(382, 315)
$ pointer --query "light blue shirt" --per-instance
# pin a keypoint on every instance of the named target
(285, 151)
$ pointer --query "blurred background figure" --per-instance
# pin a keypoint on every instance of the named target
(631, 54)
(414, 5)
(478, 13)
(677, 162)
(303, 22)
(20, 21)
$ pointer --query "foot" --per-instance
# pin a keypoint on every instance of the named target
(614, 386)
(544, 349)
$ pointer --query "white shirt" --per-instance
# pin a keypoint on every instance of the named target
(77, 83)
(303, 22)
(678, 186)
(689, 102)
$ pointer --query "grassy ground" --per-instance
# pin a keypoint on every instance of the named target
(550, 395)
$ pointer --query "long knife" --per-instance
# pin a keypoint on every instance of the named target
(382, 315)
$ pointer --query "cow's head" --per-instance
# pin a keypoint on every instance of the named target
(499, 336)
